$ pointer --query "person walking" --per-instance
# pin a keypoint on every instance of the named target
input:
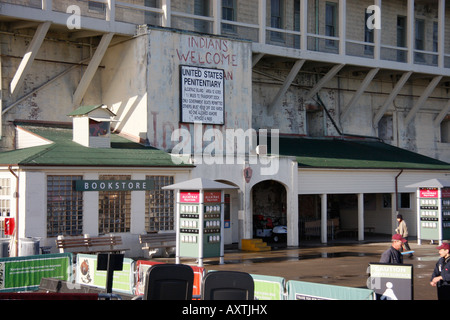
(402, 230)
(393, 254)
(441, 273)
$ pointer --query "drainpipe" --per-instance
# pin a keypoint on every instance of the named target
(16, 227)
(396, 191)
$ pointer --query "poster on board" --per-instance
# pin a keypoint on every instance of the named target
(202, 95)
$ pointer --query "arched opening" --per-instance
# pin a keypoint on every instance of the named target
(269, 202)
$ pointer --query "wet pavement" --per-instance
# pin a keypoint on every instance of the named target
(342, 263)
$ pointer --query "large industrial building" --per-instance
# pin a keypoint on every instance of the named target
(315, 111)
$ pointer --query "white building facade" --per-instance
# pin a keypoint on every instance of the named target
(306, 69)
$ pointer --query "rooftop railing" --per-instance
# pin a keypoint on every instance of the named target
(252, 21)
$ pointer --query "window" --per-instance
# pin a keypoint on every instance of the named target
(401, 38)
(99, 128)
(114, 212)
(445, 130)
(228, 13)
(276, 19)
(95, 6)
(330, 23)
(404, 200)
(201, 8)
(5, 194)
(368, 35)
(297, 23)
(159, 205)
(435, 42)
(419, 31)
(152, 18)
(5, 202)
(64, 206)
(386, 128)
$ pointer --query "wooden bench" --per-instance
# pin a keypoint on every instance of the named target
(354, 231)
(314, 228)
(89, 244)
(155, 240)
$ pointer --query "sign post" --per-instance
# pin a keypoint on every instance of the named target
(391, 281)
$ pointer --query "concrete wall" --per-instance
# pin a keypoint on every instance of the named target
(52, 78)
(33, 205)
(163, 82)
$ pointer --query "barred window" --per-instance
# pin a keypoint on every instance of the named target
(5, 202)
(159, 212)
(114, 208)
(64, 206)
(5, 195)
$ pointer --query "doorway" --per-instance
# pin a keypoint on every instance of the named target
(269, 211)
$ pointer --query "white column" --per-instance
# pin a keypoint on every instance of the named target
(360, 216)
(304, 24)
(166, 20)
(292, 207)
(177, 226)
(394, 212)
(201, 230)
(323, 210)
(222, 233)
(110, 10)
(217, 14)
(262, 12)
(47, 5)
(419, 234)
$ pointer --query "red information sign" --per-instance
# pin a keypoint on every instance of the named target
(445, 192)
(9, 226)
(428, 193)
(212, 196)
(190, 196)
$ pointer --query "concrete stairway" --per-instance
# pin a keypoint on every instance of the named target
(254, 245)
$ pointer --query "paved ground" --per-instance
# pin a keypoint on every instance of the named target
(341, 263)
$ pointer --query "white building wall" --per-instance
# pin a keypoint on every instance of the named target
(319, 181)
(33, 205)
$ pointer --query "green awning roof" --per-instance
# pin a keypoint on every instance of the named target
(354, 153)
(64, 152)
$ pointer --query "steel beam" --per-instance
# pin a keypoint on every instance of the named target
(437, 121)
(426, 93)
(330, 74)
(287, 82)
(400, 84)
(91, 69)
(363, 86)
(28, 57)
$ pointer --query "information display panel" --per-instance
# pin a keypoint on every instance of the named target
(200, 223)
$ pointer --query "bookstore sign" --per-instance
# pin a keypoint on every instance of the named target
(113, 185)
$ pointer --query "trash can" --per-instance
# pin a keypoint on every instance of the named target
(4, 247)
(29, 246)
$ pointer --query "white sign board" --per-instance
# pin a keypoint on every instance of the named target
(202, 95)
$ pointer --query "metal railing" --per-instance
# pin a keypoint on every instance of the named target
(176, 14)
